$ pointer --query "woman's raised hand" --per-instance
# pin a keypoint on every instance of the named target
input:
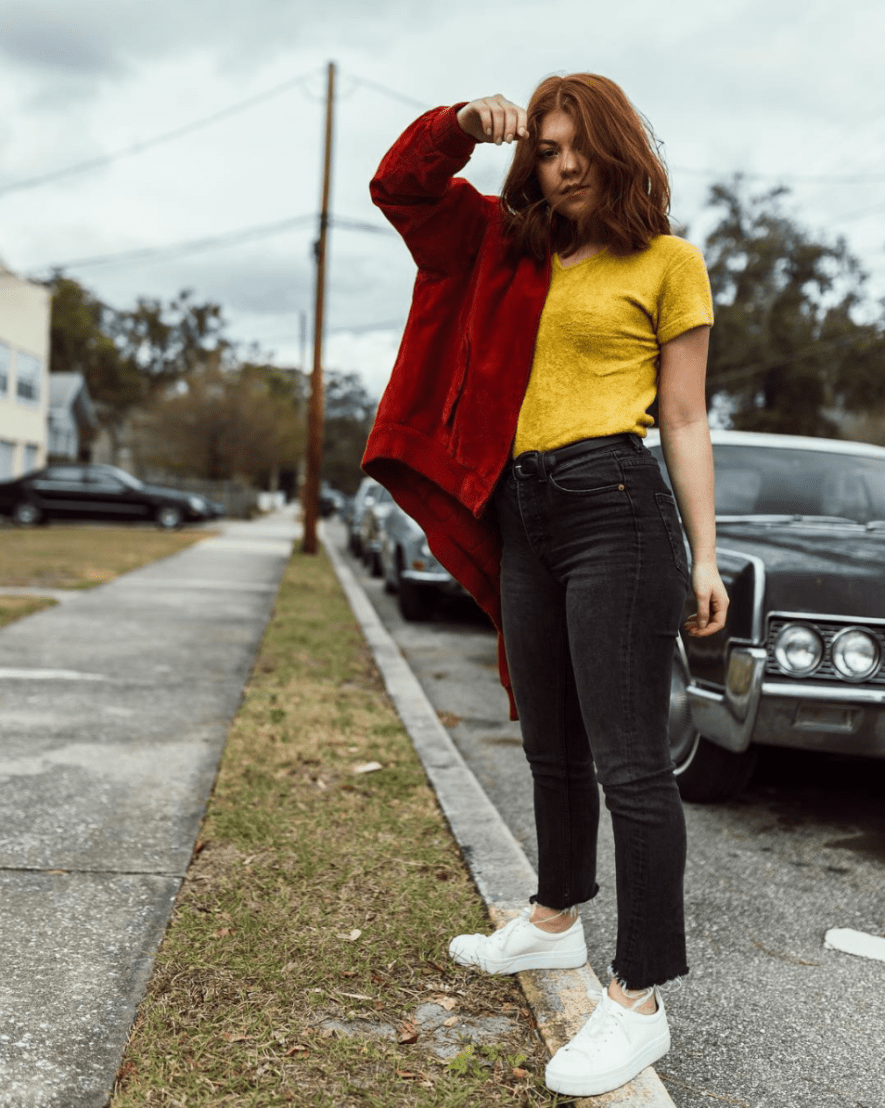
(493, 119)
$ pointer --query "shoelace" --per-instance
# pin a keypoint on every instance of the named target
(519, 922)
(603, 1022)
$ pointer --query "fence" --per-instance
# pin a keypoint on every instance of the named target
(240, 501)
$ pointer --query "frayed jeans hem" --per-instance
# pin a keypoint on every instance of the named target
(674, 982)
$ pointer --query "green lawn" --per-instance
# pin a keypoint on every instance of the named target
(75, 557)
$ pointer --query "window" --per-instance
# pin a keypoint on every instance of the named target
(7, 459)
(27, 377)
(105, 480)
(5, 359)
(66, 474)
(30, 457)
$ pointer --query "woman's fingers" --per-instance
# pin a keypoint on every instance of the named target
(493, 119)
(711, 598)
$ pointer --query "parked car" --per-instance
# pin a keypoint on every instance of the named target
(74, 491)
(365, 494)
(331, 501)
(371, 525)
(409, 569)
(801, 660)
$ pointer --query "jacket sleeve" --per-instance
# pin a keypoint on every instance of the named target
(442, 218)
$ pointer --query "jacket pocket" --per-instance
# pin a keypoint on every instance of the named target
(457, 385)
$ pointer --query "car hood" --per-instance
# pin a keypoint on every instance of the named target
(823, 568)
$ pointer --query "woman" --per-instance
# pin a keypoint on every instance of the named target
(542, 328)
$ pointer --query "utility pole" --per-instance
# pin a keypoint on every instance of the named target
(315, 411)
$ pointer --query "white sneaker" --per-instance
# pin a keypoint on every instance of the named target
(612, 1047)
(519, 945)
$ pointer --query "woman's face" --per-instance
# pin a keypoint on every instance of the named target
(569, 181)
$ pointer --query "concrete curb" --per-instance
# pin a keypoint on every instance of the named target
(497, 863)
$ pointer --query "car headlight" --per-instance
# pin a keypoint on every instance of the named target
(197, 503)
(798, 649)
(855, 654)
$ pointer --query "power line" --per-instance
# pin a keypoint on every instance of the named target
(730, 375)
(358, 225)
(155, 140)
(187, 246)
(392, 93)
(228, 238)
(801, 178)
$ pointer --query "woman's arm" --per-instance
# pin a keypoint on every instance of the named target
(685, 438)
(443, 218)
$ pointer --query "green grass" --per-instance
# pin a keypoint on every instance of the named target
(318, 893)
(17, 607)
(66, 557)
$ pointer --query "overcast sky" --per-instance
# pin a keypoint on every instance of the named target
(790, 90)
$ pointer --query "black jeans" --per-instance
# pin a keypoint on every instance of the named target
(594, 578)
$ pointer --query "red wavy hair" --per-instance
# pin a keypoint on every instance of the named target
(620, 142)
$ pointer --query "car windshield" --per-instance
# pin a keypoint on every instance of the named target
(769, 481)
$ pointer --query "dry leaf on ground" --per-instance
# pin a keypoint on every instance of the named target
(407, 1034)
(367, 767)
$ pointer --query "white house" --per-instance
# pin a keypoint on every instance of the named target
(72, 419)
(24, 374)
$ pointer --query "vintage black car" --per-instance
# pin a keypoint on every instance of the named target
(801, 660)
(72, 491)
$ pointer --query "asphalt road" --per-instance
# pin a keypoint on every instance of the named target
(768, 1018)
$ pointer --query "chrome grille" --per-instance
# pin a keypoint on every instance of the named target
(828, 629)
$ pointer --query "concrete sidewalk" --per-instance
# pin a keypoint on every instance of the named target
(114, 709)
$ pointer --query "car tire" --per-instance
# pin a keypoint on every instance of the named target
(416, 602)
(26, 514)
(168, 517)
(705, 772)
(375, 567)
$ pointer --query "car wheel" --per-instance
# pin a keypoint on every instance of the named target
(168, 517)
(26, 514)
(704, 771)
(375, 567)
(416, 602)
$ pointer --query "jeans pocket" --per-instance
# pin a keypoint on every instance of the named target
(670, 519)
(589, 474)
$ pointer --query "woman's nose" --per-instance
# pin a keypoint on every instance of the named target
(570, 163)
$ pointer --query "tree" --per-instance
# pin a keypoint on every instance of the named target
(220, 423)
(348, 420)
(129, 357)
(789, 351)
(81, 340)
(167, 342)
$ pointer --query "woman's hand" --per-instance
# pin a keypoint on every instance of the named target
(712, 600)
(493, 119)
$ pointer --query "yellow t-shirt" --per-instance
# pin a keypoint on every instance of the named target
(595, 368)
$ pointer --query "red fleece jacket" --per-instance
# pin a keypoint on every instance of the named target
(445, 424)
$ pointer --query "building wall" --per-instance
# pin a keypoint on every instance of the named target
(24, 374)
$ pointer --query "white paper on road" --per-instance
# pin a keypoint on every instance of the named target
(855, 942)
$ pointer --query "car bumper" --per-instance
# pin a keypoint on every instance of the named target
(440, 580)
(838, 719)
(817, 717)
